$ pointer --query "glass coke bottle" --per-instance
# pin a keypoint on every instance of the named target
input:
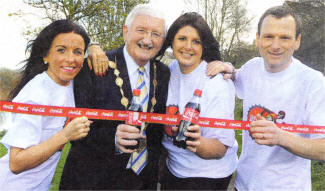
(133, 114)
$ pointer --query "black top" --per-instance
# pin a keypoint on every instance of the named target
(92, 162)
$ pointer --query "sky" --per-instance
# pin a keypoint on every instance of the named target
(13, 43)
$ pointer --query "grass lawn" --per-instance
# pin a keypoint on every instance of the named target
(59, 168)
(3, 150)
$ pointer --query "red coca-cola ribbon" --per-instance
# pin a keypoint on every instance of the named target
(145, 117)
(133, 118)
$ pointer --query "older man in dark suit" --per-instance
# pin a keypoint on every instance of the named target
(102, 160)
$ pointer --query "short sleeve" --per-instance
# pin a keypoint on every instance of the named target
(239, 84)
(221, 103)
(315, 105)
(28, 130)
(24, 132)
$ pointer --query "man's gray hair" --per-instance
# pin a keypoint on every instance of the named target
(145, 9)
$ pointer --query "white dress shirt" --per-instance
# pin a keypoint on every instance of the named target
(133, 72)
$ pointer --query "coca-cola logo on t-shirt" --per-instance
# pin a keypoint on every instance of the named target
(264, 112)
(172, 110)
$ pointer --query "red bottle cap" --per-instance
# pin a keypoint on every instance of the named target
(136, 92)
(198, 92)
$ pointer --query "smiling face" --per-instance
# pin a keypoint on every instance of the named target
(187, 48)
(144, 38)
(277, 42)
(65, 57)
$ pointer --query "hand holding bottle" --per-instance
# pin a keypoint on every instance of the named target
(190, 117)
(127, 137)
(193, 134)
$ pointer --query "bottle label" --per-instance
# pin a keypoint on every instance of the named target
(133, 118)
(191, 115)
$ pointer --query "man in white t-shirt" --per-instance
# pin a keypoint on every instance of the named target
(277, 88)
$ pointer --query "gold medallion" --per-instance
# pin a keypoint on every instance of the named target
(153, 101)
(124, 102)
(155, 82)
(119, 82)
(116, 72)
(112, 64)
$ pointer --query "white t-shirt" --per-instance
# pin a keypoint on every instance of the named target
(299, 92)
(29, 130)
(217, 101)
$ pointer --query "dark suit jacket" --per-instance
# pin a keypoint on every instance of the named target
(92, 162)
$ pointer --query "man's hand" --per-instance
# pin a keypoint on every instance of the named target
(126, 135)
(98, 60)
(265, 132)
(194, 134)
(216, 67)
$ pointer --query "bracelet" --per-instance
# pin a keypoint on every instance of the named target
(93, 43)
(89, 45)
(233, 74)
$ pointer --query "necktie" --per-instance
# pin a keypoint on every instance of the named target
(141, 85)
(139, 158)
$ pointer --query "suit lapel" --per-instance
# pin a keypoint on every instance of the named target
(151, 86)
(121, 65)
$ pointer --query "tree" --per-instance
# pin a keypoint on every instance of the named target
(103, 19)
(241, 52)
(312, 47)
(8, 80)
(228, 21)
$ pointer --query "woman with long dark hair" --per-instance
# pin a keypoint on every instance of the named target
(34, 143)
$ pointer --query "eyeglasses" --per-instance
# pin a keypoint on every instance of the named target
(154, 35)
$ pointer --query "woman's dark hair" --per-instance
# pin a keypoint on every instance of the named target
(210, 45)
(40, 48)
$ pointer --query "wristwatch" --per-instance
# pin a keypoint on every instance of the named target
(89, 45)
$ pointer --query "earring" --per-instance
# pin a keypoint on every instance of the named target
(45, 63)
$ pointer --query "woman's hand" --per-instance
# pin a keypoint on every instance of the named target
(78, 128)
(98, 60)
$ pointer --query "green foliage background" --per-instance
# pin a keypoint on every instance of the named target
(103, 19)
